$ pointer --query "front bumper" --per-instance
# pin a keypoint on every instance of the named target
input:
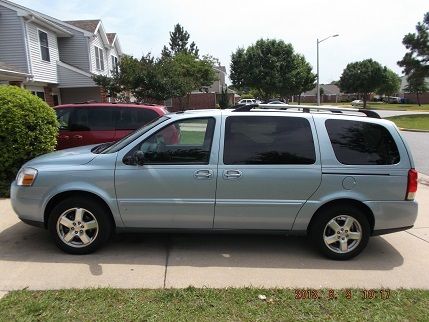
(26, 202)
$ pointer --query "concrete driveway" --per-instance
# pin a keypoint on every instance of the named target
(28, 258)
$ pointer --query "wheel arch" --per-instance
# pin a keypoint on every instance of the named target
(70, 193)
(346, 202)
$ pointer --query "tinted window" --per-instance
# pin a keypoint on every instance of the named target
(268, 140)
(92, 119)
(118, 145)
(362, 143)
(134, 118)
(182, 142)
(63, 116)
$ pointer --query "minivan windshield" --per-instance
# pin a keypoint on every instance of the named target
(118, 145)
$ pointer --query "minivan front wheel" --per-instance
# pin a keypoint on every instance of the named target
(340, 232)
(79, 226)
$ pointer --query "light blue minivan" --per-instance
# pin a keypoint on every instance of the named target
(336, 175)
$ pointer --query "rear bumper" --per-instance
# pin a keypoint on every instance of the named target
(391, 216)
(389, 231)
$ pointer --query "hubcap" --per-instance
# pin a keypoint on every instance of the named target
(77, 227)
(342, 234)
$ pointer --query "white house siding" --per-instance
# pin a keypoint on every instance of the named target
(70, 78)
(97, 41)
(74, 50)
(12, 44)
(43, 71)
(112, 52)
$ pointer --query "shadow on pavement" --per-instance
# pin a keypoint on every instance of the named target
(23, 243)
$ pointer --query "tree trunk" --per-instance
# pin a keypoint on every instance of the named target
(365, 97)
(181, 103)
(418, 98)
(299, 99)
(188, 100)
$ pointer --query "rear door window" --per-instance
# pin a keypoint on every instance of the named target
(362, 143)
(92, 119)
(268, 140)
(134, 118)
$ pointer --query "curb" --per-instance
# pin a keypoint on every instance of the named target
(413, 130)
(423, 179)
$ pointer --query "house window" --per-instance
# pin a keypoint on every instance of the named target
(114, 64)
(99, 58)
(39, 94)
(44, 47)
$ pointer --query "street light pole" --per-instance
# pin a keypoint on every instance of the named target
(318, 85)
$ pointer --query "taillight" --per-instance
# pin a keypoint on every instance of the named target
(412, 184)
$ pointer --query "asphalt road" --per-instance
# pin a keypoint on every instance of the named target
(28, 258)
(418, 142)
(419, 145)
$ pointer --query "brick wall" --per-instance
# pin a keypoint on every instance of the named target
(48, 96)
(103, 95)
(195, 101)
(424, 97)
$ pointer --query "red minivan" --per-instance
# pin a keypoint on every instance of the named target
(93, 123)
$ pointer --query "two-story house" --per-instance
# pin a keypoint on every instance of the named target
(55, 59)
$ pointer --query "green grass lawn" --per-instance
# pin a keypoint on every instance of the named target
(211, 304)
(384, 106)
(415, 121)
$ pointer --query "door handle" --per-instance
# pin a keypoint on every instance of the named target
(203, 174)
(232, 174)
(64, 137)
(77, 136)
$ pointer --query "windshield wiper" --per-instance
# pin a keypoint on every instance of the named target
(100, 148)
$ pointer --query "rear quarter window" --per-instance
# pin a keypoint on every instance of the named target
(362, 143)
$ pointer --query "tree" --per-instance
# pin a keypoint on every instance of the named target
(271, 67)
(185, 73)
(362, 77)
(417, 85)
(223, 101)
(176, 73)
(304, 78)
(416, 61)
(390, 84)
(179, 39)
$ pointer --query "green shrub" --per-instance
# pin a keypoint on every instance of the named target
(246, 96)
(28, 128)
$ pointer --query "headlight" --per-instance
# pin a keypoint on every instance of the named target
(26, 177)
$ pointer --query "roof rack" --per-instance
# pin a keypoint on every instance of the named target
(305, 109)
(87, 102)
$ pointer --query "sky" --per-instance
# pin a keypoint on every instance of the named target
(367, 29)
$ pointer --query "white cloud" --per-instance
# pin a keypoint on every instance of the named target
(368, 29)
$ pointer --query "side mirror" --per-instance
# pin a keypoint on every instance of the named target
(139, 157)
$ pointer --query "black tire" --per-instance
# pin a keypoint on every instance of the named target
(318, 226)
(98, 237)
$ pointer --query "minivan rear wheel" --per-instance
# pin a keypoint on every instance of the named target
(79, 226)
(340, 232)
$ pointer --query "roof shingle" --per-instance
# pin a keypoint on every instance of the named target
(88, 25)
(111, 36)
